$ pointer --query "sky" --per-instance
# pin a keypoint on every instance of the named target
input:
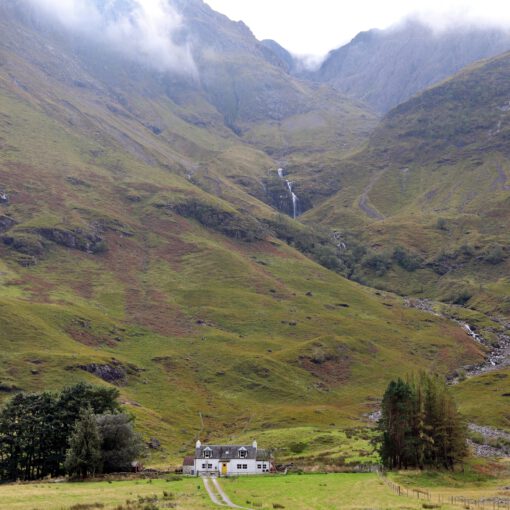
(313, 27)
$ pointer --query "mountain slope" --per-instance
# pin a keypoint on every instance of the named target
(434, 180)
(134, 254)
(386, 67)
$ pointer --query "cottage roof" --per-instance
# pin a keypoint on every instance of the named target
(189, 461)
(227, 452)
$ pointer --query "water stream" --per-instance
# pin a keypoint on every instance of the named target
(295, 199)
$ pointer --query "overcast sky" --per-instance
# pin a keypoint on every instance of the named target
(313, 27)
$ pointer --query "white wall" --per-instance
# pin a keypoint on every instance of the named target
(214, 466)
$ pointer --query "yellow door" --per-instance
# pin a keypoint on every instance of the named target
(224, 467)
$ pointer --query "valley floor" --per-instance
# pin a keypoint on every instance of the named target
(296, 492)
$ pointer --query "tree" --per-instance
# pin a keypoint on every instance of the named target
(120, 444)
(420, 425)
(84, 454)
(397, 409)
(27, 437)
(35, 429)
(72, 400)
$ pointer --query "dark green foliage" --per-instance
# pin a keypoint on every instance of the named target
(443, 263)
(35, 429)
(408, 261)
(83, 457)
(420, 425)
(495, 254)
(297, 447)
(320, 245)
(29, 439)
(442, 224)
(120, 444)
(379, 263)
(461, 298)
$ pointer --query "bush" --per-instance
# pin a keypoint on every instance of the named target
(378, 262)
(462, 298)
(494, 254)
(120, 444)
(298, 447)
(409, 262)
(442, 224)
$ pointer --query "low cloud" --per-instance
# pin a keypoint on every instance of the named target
(444, 15)
(148, 31)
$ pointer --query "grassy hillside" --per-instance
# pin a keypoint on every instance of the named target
(135, 253)
(434, 182)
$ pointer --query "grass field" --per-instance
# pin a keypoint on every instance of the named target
(354, 491)
(186, 494)
(292, 492)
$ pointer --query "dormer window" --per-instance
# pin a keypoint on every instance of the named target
(243, 453)
(207, 453)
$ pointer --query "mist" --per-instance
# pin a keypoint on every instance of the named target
(147, 31)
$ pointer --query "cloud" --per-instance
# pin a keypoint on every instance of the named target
(148, 31)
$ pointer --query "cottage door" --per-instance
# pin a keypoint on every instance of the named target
(224, 468)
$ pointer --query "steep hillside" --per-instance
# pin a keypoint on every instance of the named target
(135, 252)
(386, 67)
(434, 180)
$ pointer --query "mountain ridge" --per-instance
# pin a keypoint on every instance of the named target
(140, 247)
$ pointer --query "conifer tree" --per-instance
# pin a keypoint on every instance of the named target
(420, 425)
(84, 455)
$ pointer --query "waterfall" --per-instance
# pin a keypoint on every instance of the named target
(294, 197)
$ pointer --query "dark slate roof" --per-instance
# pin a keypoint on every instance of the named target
(226, 452)
(189, 461)
(264, 455)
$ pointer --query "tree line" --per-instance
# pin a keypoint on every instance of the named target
(420, 425)
(78, 431)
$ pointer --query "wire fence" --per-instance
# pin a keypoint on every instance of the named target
(435, 500)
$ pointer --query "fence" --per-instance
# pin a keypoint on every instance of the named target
(493, 503)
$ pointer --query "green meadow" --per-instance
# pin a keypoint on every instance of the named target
(296, 492)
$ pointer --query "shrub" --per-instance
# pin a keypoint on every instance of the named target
(409, 262)
(477, 438)
(442, 224)
(298, 447)
(494, 254)
(378, 262)
(462, 298)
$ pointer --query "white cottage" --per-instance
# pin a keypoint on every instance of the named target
(228, 460)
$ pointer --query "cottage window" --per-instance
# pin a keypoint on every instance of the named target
(204, 466)
(209, 466)
(243, 454)
(259, 466)
(207, 453)
(245, 466)
(239, 466)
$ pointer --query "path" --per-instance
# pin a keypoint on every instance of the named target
(364, 199)
(225, 500)
(211, 493)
